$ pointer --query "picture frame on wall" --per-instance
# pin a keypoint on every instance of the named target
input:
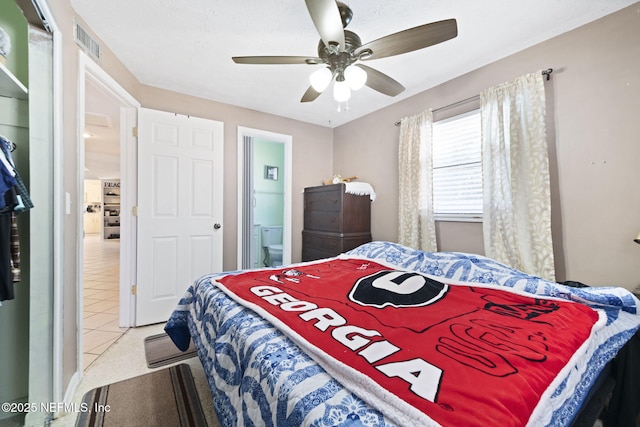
(271, 172)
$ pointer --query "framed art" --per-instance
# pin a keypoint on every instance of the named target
(271, 172)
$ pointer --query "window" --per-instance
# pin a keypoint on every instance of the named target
(457, 168)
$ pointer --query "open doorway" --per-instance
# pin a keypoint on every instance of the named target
(264, 237)
(101, 222)
(107, 115)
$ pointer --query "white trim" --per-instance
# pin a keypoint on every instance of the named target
(287, 140)
(55, 336)
(58, 201)
(74, 382)
(87, 67)
(80, 214)
(128, 223)
(129, 105)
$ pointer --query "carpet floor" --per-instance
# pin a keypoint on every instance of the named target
(169, 398)
(126, 359)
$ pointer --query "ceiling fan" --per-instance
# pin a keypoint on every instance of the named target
(342, 52)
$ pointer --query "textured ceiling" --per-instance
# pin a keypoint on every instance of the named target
(101, 134)
(186, 46)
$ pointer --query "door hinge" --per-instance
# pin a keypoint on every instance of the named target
(134, 131)
(134, 289)
(134, 211)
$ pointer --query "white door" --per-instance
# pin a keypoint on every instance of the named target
(180, 162)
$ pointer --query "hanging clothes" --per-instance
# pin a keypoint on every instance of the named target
(22, 195)
(7, 181)
(14, 198)
(6, 276)
(15, 249)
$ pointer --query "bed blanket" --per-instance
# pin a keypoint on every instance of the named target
(423, 351)
(238, 348)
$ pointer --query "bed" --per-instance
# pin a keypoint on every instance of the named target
(279, 348)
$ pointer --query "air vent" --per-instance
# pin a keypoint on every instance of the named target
(86, 42)
(95, 119)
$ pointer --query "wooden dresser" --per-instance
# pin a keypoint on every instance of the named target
(334, 221)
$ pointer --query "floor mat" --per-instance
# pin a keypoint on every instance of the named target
(159, 350)
(167, 397)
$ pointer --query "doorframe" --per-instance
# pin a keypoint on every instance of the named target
(56, 335)
(89, 69)
(287, 140)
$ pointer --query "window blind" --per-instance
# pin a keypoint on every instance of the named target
(457, 166)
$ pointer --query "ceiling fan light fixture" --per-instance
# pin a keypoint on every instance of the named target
(320, 79)
(356, 77)
(341, 91)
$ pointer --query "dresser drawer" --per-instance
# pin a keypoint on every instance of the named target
(310, 254)
(327, 199)
(322, 242)
(317, 245)
(323, 221)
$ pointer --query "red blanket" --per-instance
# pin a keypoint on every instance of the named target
(418, 349)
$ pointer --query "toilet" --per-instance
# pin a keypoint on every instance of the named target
(271, 240)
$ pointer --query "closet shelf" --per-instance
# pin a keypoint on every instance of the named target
(10, 86)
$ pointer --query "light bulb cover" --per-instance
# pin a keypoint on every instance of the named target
(341, 91)
(320, 79)
(356, 77)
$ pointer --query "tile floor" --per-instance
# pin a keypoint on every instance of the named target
(101, 296)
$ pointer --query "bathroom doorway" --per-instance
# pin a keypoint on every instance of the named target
(265, 185)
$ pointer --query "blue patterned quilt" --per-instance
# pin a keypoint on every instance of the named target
(257, 376)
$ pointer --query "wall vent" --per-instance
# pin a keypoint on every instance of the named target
(97, 119)
(86, 42)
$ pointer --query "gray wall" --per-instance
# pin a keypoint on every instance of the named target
(593, 99)
(593, 102)
(312, 156)
(312, 159)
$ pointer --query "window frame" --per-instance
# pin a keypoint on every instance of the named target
(458, 217)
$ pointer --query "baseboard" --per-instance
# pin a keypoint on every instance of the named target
(70, 392)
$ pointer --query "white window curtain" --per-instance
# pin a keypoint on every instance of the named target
(416, 221)
(517, 201)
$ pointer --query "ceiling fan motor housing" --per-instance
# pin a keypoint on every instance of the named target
(338, 61)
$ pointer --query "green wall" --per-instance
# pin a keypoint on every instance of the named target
(14, 125)
(269, 193)
(14, 24)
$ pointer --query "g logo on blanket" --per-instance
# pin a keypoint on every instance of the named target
(398, 289)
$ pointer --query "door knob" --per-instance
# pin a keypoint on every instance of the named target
(217, 226)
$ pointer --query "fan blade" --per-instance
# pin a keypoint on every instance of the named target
(276, 60)
(310, 95)
(409, 40)
(381, 82)
(326, 18)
